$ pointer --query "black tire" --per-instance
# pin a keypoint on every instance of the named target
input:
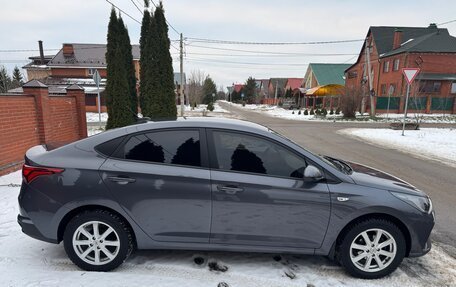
(357, 229)
(121, 229)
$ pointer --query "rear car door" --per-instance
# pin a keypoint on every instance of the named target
(161, 178)
(259, 195)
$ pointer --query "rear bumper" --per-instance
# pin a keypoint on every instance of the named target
(30, 229)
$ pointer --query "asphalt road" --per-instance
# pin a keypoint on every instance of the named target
(436, 179)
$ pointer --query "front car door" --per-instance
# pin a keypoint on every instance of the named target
(259, 195)
(161, 178)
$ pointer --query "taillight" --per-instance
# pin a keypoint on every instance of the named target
(29, 173)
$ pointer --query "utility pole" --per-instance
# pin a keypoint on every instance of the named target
(275, 94)
(369, 77)
(181, 76)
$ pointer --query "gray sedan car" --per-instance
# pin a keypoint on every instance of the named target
(217, 184)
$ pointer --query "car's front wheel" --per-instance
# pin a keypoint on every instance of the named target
(372, 249)
(97, 240)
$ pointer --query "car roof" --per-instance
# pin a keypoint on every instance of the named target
(204, 122)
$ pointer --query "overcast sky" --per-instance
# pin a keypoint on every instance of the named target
(24, 22)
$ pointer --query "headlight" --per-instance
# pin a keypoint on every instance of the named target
(422, 203)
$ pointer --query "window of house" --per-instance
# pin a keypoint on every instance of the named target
(453, 88)
(352, 74)
(180, 147)
(396, 64)
(91, 71)
(91, 100)
(386, 66)
(245, 153)
(430, 86)
(391, 89)
(383, 89)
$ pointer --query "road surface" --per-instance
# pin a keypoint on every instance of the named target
(436, 179)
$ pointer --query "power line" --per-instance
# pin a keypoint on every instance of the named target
(272, 55)
(167, 22)
(25, 50)
(248, 63)
(134, 19)
(266, 52)
(448, 22)
(134, 3)
(215, 41)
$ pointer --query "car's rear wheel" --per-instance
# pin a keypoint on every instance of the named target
(98, 240)
(372, 249)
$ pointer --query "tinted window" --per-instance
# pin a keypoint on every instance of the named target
(240, 152)
(108, 148)
(173, 147)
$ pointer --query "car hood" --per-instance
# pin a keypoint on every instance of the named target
(367, 176)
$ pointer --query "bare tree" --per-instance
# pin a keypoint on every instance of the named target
(195, 86)
(350, 102)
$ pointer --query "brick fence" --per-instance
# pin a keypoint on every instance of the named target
(35, 117)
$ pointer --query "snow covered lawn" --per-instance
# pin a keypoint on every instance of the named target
(28, 262)
(275, 111)
(431, 143)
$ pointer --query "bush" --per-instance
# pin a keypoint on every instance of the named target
(331, 112)
(337, 111)
(324, 112)
(306, 112)
(210, 106)
(280, 104)
(312, 112)
(243, 103)
(350, 102)
(317, 112)
(299, 112)
(292, 112)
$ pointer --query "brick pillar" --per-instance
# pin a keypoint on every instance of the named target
(78, 93)
(428, 104)
(42, 105)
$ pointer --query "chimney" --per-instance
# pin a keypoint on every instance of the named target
(40, 45)
(68, 50)
(397, 40)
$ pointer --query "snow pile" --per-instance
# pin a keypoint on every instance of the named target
(431, 143)
(25, 261)
(93, 117)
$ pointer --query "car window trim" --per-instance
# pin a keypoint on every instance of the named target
(202, 138)
(213, 155)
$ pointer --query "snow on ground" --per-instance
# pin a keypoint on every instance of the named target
(431, 143)
(25, 261)
(93, 117)
(275, 111)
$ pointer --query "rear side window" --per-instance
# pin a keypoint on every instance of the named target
(108, 148)
(180, 147)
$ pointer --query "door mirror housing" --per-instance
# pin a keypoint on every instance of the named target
(312, 174)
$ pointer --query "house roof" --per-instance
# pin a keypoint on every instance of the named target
(238, 87)
(86, 55)
(280, 81)
(294, 83)
(327, 74)
(384, 36)
(436, 42)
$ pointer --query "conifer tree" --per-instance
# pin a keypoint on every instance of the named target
(165, 75)
(118, 100)
(144, 62)
(17, 80)
(127, 58)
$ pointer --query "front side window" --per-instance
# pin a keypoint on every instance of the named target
(180, 147)
(245, 153)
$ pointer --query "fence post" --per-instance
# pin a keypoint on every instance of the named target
(78, 93)
(42, 104)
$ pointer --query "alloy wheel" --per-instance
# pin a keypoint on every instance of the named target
(96, 243)
(373, 250)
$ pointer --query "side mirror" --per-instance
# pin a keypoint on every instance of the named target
(312, 174)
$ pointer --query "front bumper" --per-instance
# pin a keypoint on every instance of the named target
(30, 229)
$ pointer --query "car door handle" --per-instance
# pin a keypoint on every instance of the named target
(121, 179)
(229, 189)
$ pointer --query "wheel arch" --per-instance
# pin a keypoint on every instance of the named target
(66, 219)
(405, 231)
